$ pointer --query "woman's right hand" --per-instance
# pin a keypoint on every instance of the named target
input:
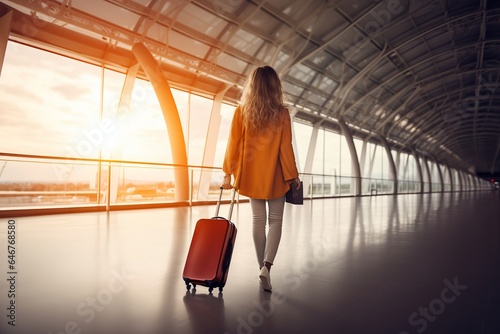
(226, 183)
(297, 182)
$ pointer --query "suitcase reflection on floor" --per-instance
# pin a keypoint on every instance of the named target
(206, 311)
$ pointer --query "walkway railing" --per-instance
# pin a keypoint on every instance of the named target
(36, 181)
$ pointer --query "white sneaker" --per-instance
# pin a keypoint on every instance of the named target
(265, 279)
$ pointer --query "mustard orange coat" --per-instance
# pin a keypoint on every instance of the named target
(263, 164)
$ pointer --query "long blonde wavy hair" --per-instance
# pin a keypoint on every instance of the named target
(262, 99)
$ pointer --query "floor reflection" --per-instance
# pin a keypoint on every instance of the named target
(205, 311)
(345, 265)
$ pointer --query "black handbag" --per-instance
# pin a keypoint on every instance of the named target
(294, 195)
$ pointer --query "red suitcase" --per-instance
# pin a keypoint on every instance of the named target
(211, 249)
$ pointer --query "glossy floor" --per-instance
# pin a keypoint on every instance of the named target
(388, 264)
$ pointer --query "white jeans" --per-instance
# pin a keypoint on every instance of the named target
(266, 247)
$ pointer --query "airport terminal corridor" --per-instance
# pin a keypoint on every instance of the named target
(115, 120)
(420, 263)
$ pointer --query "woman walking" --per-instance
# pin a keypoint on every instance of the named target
(260, 156)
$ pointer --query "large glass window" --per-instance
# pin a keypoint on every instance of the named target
(332, 161)
(60, 103)
(326, 164)
(50, 107)
(345, 159)
(447, 182)
(425, 174)
(408, 179)
(435, 176)
(320, 185)
(69, 112)
(375, 170)
(457, 180)
(332, 153)
(302, 133)
(319, 154)
(226, 113)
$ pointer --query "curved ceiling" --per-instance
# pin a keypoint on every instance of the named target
(424, 74)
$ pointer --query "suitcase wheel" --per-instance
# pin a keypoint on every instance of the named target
(188, 286)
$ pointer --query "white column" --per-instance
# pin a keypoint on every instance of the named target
(211, 145)
(121, 131)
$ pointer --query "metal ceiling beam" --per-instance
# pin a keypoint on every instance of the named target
(414, 67)
(393, 94)
(117, 33)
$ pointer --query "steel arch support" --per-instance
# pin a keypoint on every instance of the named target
(392, 166)
(440, 173)
(354, 157)
(5, 22)
(452, 179)
(425, 162)
(362, 166)
(211, 144)
(171, 117)
(419, 170)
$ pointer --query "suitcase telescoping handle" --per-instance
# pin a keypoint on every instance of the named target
(230, 207)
